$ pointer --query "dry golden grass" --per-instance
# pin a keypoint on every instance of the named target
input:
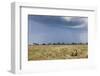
(52, 52)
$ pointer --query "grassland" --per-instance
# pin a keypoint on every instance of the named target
(52, 52)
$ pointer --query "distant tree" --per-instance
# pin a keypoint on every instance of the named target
(35, 44)
(43, 44)
(54, 43)
(80, 43)
(86, 43)
(58, 43)
(73, 43)
(63, 43)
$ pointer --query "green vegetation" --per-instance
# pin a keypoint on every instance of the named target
(52, 52)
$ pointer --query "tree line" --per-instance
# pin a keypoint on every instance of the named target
(60, 43)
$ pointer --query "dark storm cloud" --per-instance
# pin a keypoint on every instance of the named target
(57, 20)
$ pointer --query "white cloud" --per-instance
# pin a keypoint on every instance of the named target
(81, 22)
(67, 18)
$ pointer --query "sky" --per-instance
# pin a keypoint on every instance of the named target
(54, 29)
